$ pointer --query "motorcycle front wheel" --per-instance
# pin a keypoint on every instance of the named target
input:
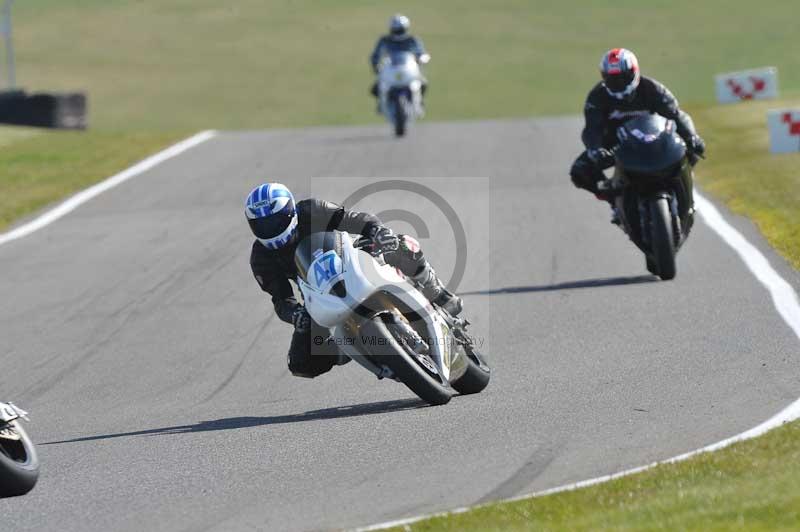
(396, 355)
(662, 239)
(19, 465)
(400, 116)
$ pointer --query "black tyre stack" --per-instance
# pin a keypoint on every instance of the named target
(51, 110)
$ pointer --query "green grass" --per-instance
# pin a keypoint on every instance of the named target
(264, 63)
(752, 485)
(157, 70)
(39, 168)
(741, 171)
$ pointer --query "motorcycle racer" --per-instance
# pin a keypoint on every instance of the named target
(279, 225)
(622, 94)
(397, 40)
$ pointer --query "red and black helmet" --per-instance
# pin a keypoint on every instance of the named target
(620, 70)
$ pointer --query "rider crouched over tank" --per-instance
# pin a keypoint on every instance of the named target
(623, 94)
(279, 225)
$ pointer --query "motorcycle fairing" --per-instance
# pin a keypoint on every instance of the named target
(367, 284)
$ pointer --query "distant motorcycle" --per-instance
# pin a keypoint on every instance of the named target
(400, 82)
(652, 183)
(379, 319)
(19, 465)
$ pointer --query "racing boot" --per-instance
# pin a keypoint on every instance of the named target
(433, 289)
(374, 91)
(615, 219)
(689, 220)
(605, 192)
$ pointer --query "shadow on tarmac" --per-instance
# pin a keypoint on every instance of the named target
(570, 285)
(233, 423)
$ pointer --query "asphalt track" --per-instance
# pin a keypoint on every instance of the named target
(155, 370)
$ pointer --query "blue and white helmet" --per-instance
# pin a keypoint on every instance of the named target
(399, 25)
(272, 215)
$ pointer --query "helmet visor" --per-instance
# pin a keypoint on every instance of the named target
(619, 82)
(270, 226)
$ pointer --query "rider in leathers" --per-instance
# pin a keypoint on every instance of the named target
(623, 94)
(273, 265)
(397, 40)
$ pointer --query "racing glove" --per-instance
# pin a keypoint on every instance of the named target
(697, 145)
(601, 157)
(385, 239)
(301, 320)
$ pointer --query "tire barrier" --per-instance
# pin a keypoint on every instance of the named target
(51, 110)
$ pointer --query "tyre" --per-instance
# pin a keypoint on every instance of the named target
(398, 357)
(400, 116)
(19, 465)
(650, 264)
(662, 240)
(477, 376)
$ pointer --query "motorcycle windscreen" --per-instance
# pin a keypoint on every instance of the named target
(318, 258)
(399, 59)
(650, 145)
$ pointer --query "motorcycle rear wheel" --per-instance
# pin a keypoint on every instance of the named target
(477, 376)
(19, 464)
(662, 239)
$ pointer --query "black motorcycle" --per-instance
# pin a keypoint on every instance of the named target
(19, 465)
(652, 185)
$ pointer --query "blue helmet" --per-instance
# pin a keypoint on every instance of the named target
(272, 215)
(399, 25)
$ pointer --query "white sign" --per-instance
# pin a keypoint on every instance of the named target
(759, 84)
(784, 130)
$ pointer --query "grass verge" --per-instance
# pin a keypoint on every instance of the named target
(742, 172)
(187, 65)
(201, 64)
(40, 167)
(752, 485)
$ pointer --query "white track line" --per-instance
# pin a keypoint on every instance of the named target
(85, 195)
(786, 303)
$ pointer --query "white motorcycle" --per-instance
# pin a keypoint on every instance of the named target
(400, 83)
(19, 465)
(378, 318)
